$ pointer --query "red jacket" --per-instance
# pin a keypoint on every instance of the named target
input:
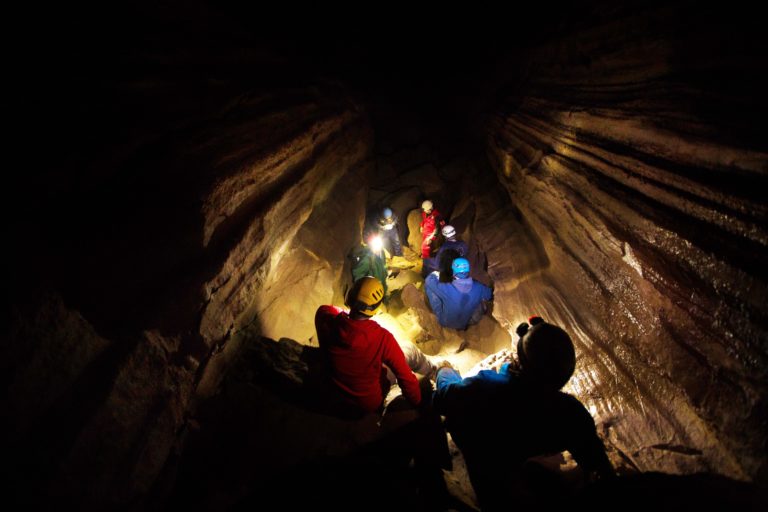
(429, 223)
(357, 349)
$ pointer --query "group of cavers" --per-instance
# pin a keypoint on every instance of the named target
(498, 419)
(456, 299)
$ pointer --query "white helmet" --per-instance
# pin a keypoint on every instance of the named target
(427, 205)
(449, 231)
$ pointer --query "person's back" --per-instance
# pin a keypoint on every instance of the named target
(499, 420)
(450, 246)
(356, 347)
(356, 350)
(459, 303)
(366, 262)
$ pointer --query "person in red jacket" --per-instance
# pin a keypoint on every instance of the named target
(431, 221)
(358, 347)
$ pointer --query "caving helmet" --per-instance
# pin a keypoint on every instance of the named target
(366, 295)
(449, 231)
(460, 268)
(427, 206)
(546, 354)
(387, 213)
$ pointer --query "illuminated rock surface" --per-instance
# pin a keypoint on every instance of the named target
(205, 203)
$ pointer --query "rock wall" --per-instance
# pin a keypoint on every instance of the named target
(134, 277)
(633, 152)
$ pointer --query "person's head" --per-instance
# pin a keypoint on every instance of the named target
(365, 296)
(460, 268)
(449, 232)
(546, 354)
(427, 206)
(387, 213)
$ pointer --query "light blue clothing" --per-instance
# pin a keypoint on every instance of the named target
(457, 304)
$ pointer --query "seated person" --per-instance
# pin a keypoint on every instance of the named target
(357, 348)
(459, 303)
(499, 420)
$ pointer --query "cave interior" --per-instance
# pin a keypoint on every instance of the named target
(188, 180)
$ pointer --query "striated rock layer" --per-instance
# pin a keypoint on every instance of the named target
(633, 154)
(202, 226)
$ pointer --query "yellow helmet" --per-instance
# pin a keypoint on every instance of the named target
(366, 295)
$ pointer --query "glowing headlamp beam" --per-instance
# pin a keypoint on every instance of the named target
(375, 243)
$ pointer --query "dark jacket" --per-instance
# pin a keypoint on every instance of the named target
(499, 420)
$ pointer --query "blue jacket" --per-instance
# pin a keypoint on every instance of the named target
(455, 303)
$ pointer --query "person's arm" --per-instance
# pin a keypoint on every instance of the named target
(455, 396)
(323, 323)
(487, 293)
(430, 287)
(586, 446)
(394, 358)
(450, 391)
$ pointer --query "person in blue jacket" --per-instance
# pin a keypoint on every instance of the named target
(500, 420)
(459, 303)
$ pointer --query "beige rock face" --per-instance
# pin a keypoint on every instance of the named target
(645, 242)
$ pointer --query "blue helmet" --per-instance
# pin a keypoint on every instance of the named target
(460, 267)
(387, 213)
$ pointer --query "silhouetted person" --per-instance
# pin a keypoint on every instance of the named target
(499, 420)
(462, 301)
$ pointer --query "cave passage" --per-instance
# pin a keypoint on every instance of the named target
(188, 182)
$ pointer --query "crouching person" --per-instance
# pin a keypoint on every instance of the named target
(500, 420)
(460, 302)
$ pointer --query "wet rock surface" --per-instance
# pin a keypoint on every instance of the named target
(643, 199)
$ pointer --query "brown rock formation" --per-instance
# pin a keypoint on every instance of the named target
(220, 227)
(180, 203)
(621, 152)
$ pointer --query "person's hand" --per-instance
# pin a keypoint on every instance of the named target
(443, 363)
